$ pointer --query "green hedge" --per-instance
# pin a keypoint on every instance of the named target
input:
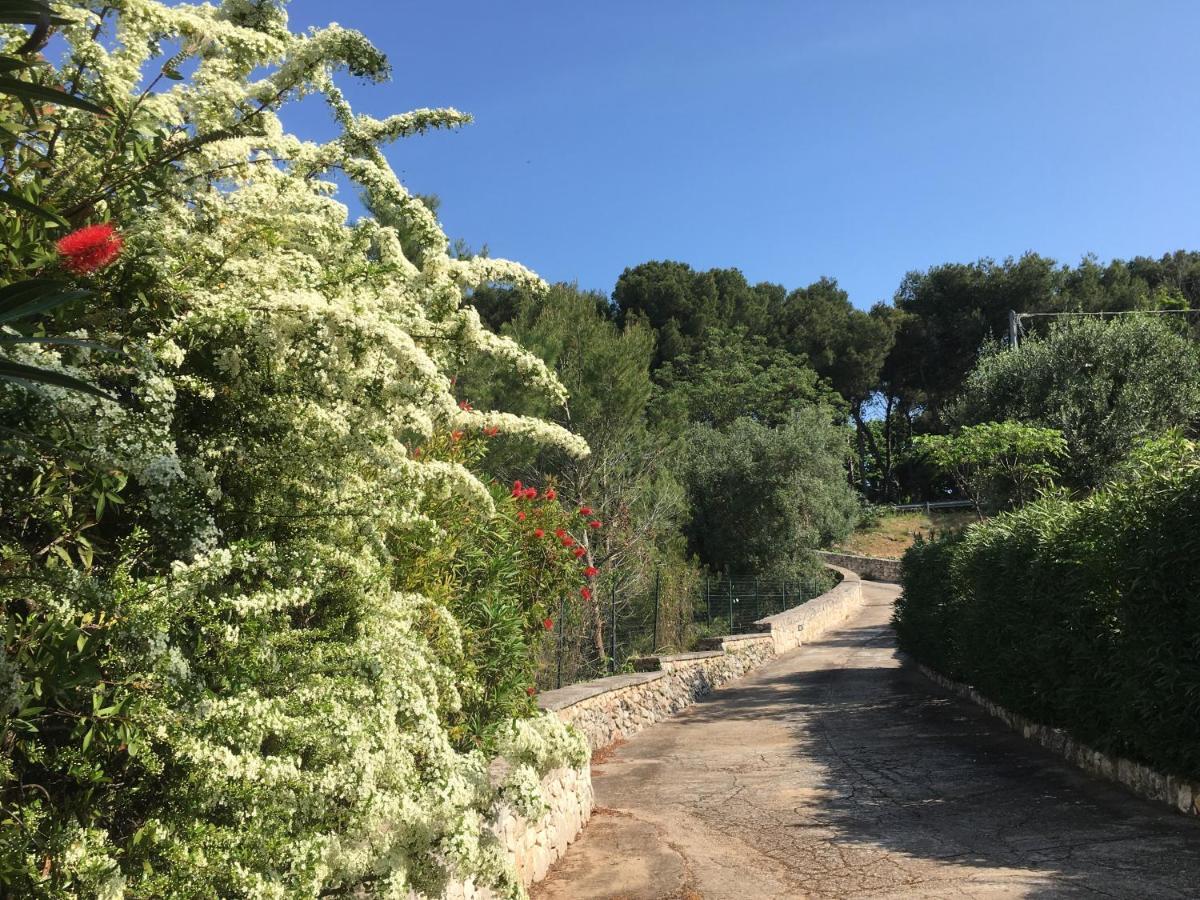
(1079, 614)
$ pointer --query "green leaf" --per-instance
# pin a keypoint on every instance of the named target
(26, 90)
(15, 200)
(32, 297)
(87, 738)
(19, 372)
(67, 342)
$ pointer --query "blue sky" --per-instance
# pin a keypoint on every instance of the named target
(792, 140)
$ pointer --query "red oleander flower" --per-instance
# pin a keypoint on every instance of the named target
(550, 494)
(559, 533)
(90, 249)
(585, 510)
(547, 624)
(579, 551)
(585, 593)
(591, 572)
(538, 533)
(464, 405)
(595, 523)
(520, 517)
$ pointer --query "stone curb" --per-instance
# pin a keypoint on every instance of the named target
(1181, 794)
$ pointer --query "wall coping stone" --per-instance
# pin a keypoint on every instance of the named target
(658, 663)
(571, 694)
(717, 642)
(874, 568)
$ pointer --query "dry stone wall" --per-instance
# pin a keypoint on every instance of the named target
(1144, 781)
(533, 846)
(872, 568)
(610, 709)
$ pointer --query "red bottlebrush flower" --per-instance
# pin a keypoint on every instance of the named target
(491, 432)
(559, 533)
(568, 541)
(591, 572)
(90, 249)
(520, 517)
(585, 511)
(518, 489)
(585, 593)
(456, 436)
(550, 494)
(530, 493)
(547, 624)
(464, 405)
(531, 691)
(595, 523)
(538, 533)
(579, 551)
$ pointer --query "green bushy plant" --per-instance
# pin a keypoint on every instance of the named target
(254, 643)
(1079, 614)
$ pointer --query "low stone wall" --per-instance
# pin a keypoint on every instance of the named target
(533, 847)
(1144, 781)
(872, 568)
(610, 709)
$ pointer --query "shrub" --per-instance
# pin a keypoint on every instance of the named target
(764, 498)
(1080, 614)
(1105, 385)
(248, 605)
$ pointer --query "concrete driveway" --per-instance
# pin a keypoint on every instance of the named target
(834, 772)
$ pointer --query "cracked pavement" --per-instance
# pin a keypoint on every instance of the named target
(834, 771)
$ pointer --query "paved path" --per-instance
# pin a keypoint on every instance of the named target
(834, 772)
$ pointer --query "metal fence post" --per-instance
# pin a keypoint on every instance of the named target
(757, 601)
(612, 629)
(654, 642)
(708, 597)
(731, 606)
(562, 603)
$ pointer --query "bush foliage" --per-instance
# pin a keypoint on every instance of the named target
(1079, 614)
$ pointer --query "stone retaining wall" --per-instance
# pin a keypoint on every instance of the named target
(1178, 792)
(609, 709)
(533, 847)
(872, 568)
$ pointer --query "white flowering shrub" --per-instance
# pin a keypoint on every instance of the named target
(237, 662)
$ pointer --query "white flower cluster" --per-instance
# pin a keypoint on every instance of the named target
(269, 445)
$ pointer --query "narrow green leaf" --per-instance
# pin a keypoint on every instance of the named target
(27, 90)
(38, 305)
(19, 372)
(15, 200)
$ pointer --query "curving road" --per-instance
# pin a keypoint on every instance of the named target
(833, 772)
